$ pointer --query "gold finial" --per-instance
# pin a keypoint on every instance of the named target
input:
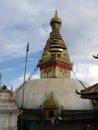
(56, 14)
(51, 94)
(56, 19)
(10, 97)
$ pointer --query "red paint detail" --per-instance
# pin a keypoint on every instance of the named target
(67, 67)
(56, 64)
(46, 66)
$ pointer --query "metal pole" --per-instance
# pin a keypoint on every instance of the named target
(96, 57)
(24, 81)
(0, 78)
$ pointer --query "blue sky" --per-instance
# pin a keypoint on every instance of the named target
(24, 21)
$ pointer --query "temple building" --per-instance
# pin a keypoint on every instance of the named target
(52, 101)
(8, 110)
(92, 94)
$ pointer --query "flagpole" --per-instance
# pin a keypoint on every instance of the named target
(27, 49)
(0, 79)
(24, 81)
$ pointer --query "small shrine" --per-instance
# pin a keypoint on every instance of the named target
(8, 110)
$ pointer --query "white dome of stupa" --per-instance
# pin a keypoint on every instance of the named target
(38, 91)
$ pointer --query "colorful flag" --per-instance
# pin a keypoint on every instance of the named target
(27, 49)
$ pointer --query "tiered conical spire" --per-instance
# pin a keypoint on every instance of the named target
(55, 61)
(55, 42)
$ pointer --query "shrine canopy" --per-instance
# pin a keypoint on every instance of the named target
(90, 92)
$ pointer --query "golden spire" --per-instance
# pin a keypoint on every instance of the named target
(56, 14)
(55, 19)
(55, 61)
(51, 102)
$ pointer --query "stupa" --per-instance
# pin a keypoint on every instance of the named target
(53, 95)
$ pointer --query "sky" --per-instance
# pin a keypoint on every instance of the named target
(23, 21)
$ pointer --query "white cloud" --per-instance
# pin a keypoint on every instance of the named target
(86, 72)
(18, 81)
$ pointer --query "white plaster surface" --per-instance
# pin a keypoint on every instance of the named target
(36, 93)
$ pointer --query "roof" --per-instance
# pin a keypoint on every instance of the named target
(91, 89)
(90, 92)
(4, 89)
